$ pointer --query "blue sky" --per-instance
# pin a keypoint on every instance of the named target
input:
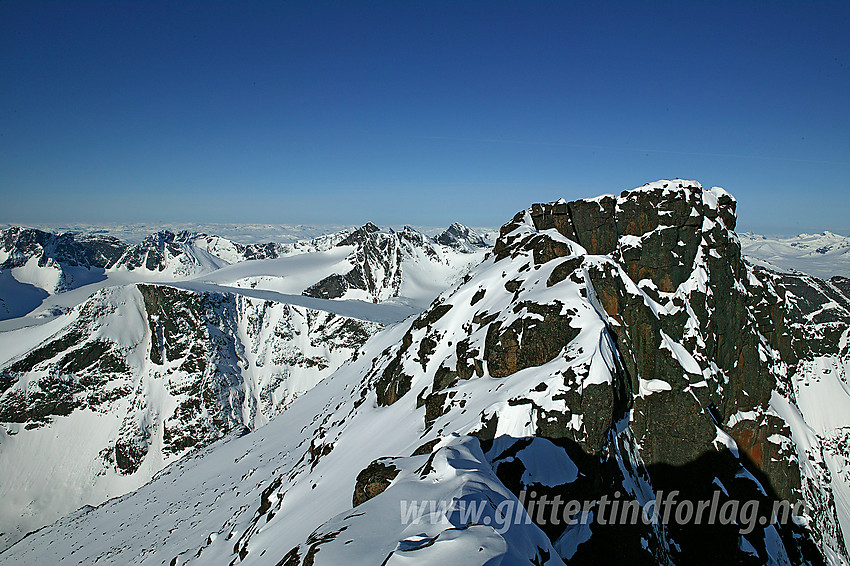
(418, 112)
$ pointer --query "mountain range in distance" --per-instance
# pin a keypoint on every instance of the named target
(36, 266)
(211, 402)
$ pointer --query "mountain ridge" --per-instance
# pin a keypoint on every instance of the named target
(623, 337)
(35, 265)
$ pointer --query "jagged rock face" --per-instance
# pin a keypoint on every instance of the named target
(815, 317)
(376, 261)
(676, 242)
(614, 347)
(461, 238)
(160, 372)
(180, 253)
(376, 269)
(51, 262)
(19, 245)
(73, 370)
(696, 342)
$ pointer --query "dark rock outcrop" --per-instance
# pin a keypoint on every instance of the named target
(372, 481)
(702, 343)
(93, 251)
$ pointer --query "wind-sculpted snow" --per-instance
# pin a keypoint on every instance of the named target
(609, 348)
(173, 371)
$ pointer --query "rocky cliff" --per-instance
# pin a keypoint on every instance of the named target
(138, 376)
(381, 262)
(609, 349)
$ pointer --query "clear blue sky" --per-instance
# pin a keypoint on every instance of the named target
(418, 112)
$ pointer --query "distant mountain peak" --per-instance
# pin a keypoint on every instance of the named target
(462, 238)
(379, 261)
(610, 348)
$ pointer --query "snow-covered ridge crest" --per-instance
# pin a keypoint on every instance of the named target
(139, 375)
(607, 346)
(54, 262)
(462, 238)
(384, 265)
(187, 253)
(647, 281)
(218, 319)
(407, 267)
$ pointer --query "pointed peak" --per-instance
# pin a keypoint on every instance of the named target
(461, 238)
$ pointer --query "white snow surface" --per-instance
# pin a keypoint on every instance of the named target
(59, 467)
(300, 468)
(823, 255)
(50, 480)
(290, 481)
(31, 293)
(202, 505)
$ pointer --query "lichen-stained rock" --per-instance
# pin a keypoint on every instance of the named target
(526, 320)
(615, 348)
(530, 341)
(638, 307)
(372, 481)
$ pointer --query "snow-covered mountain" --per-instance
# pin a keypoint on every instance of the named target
(35, 264)
(462, 238)
(822, 255)
(161, 370)
(187, 254)
(406, 266)
(137, 376)
(612, 348)
(181, 255)
(246, 233)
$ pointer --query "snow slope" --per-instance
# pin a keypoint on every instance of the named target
(96, 355)
(406, 267)
(822, 255)
(36, 264)
(127, 382)
(580, 359)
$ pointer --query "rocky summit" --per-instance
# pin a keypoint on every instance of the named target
(618, 349)
(377, 260)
